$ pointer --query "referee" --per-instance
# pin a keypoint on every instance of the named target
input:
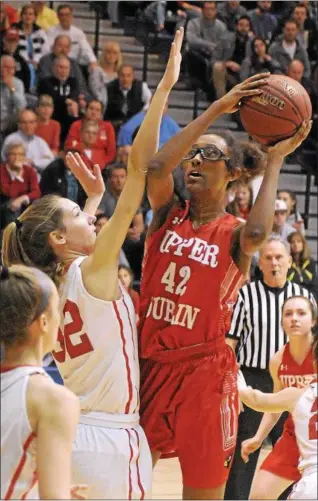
(256, 335)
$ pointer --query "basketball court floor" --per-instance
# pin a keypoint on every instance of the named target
(167, 477)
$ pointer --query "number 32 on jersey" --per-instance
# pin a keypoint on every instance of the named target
(80, 343)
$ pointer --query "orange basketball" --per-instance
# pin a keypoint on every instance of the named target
(278, 112)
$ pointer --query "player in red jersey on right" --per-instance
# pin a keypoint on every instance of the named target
(292, 366)
(196, 257)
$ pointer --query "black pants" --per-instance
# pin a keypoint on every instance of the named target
(241, 475)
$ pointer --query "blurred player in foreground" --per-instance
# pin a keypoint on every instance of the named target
(38, 417)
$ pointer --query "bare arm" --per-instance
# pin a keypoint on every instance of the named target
(269, 419)
(284, 400)
(260, 220)
(159, 179)
(54, 413)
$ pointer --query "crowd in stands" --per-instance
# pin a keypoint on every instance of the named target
(58, 96)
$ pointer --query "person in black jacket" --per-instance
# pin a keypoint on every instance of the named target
(57, 179)
(65, 91)
(10, 42)
(126, 96)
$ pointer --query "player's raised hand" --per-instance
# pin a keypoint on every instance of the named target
(287, 146)
(91, 182)
(172, 72)
(250, 87)
(248, 447)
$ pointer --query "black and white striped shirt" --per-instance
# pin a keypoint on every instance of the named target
(256, 321)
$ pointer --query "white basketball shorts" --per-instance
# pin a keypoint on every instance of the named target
(114, 463)
(306, 488)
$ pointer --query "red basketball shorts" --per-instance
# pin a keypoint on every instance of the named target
(189, 410)
(283, 459)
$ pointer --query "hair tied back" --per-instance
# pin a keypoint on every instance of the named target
(4, 274)
(18, 224)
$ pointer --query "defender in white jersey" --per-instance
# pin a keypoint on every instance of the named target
(38, 417)
(97, 350)
(301, 403)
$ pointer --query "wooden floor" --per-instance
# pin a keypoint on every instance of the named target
(167, 482)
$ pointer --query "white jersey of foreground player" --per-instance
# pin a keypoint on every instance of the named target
(18, 442)
(97, 356)
(305, 417)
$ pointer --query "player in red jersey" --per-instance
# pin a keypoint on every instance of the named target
(292, 366)
(196, 257)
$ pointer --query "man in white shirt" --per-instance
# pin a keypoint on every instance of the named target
(38, 153)
(81, 50)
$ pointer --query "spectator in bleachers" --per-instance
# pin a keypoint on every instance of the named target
(91, 154)
(263, 21)
(303, 268)
(294, 217)
(18, 184)
(307, 29)
(10, 41)
(33, 42)
(37, 151)
(229, 55)
(259, 61)
(243, 201)
(62, 47)
(116, 180)
(106, 140)
(286, 48)
(126, 277)
(12, 96)
(48, 129)
(65, 91)
(281, 228)
(168, 128)
(8, 16)
(189, 10)
(126, 96)
(154, 15)
(106, 71)
(203, 33)
(45, 17)
(57, 179)
(229, 12)
(296, 71)
(81, 51)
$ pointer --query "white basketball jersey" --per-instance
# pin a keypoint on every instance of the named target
(305, 417)
(97, 353)
(18, 442)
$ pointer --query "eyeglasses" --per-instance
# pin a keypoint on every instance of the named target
(207, 153)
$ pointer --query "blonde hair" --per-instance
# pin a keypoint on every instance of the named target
(25, 294)
(45, 100)
(26, 241)
(119, 61)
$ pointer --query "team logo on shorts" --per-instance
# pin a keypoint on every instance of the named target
(227, 462)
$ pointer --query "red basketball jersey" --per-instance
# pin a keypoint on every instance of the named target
(189, 284)
(290, 373)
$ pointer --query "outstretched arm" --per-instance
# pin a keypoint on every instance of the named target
(160, 180)
(260, 220)
(284, 400)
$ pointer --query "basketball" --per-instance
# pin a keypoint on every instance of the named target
(278, 112)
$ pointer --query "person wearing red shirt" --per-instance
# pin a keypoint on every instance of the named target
(106, 139)
(8, 16)
(86, 147)
(18, 184)
(196, 258)
(48, 129)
